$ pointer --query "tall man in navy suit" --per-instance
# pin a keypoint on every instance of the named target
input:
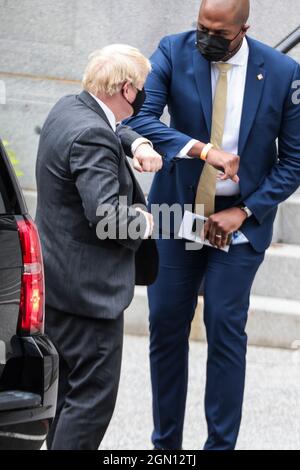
(224, 89)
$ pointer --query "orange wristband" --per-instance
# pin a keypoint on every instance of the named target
(205, 151)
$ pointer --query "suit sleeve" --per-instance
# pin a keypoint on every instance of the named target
(167, 141)
(127, 136)
(284, 178)
(94, 163)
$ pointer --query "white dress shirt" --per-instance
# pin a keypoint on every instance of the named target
(108, 112)
(235, 98)
(236, 88)
(112, 121)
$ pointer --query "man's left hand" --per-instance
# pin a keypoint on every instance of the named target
(220, 225)
(146, 159)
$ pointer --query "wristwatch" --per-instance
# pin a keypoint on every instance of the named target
(246, 210)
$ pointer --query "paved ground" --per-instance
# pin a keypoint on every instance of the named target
(271, 418)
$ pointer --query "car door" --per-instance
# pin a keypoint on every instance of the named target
(10, 263)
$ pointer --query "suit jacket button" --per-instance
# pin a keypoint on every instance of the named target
(90, 225)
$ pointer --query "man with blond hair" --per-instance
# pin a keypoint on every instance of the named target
(81, 168)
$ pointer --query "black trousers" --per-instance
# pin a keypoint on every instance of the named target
(90, 355)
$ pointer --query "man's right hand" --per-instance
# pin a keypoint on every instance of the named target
(226, 162)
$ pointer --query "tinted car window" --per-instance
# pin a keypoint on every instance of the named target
(3, 197)
(2, 207)
(10, 196)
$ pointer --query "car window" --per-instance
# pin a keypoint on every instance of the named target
(2, 206)
(9, 203)
(3, 197)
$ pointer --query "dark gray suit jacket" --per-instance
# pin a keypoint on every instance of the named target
(80, 165)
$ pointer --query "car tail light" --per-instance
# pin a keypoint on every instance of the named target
(32, 308)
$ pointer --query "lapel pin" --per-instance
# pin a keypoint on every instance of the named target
(260, 77)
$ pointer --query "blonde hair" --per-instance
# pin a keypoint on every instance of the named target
(110, 67)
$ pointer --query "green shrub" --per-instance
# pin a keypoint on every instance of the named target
(12, 156)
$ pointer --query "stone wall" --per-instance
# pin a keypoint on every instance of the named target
(44, 46)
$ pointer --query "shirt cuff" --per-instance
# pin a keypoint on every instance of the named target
(184, 152)
(138, 142)
(148, 228)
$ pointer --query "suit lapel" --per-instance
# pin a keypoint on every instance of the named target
(256, 77)
(253, 90)
(202, 70)
(89, 101)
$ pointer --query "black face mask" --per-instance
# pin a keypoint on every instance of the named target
(138, 102)
(215, 48)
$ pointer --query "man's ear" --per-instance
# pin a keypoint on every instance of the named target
(245, 29)
(125, 88)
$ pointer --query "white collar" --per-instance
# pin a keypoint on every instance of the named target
(108, 112)
(241, 57)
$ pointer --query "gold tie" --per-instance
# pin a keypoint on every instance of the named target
(206, 191)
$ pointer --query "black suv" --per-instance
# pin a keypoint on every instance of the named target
(28, 360)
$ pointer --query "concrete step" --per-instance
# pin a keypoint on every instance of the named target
(272, 322)
(290, 220)
(287, 223)
(279, 274)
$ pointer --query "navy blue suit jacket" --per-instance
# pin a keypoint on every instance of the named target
(269, 169)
